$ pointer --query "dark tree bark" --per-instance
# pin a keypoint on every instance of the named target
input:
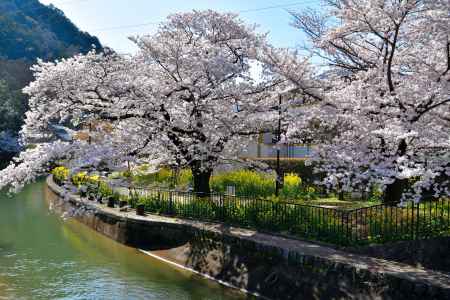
(394, 191)
(201, 181)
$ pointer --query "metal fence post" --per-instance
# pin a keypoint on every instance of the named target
(376, 223)
(413, 236)
(221, 208)
(418, 222)
(171, 203)
(348, 233)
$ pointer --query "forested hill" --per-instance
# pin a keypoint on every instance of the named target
(31, 30)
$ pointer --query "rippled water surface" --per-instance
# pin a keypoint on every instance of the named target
(44, 257)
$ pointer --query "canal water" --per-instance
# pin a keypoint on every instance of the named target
(45, 257)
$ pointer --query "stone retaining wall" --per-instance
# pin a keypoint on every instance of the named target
(273, 267)
(431, 253)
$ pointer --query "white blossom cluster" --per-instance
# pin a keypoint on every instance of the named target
(378, 111)
(384, 115)
(186, 98)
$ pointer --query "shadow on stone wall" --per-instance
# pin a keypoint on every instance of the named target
(267, 271)
(431, 254)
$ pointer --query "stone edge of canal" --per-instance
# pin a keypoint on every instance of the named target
(262, 265)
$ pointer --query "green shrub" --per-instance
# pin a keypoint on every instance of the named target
(247, 183)
(375, 194)
(83, 178)
(261, 185)
(155, 204)
(292, 180)
(80, 178)
(184, 178)
(377, 224)
(104, 190)
(127, 174)
(60, 174)
(296, 166)
(292, 187)
(163, 177)
(115, 175)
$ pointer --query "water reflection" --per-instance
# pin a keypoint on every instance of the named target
(43, 257)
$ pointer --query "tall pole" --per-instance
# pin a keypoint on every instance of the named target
(89, 136)
(278, 183)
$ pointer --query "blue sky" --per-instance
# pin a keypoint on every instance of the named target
(101, 17)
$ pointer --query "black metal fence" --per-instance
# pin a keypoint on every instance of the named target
(374, 224)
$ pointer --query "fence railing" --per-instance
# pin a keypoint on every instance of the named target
(374, 224)
(411, 221)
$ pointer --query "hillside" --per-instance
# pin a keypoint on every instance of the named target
(31, 30)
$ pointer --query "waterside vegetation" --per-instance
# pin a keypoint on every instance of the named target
(315, 220)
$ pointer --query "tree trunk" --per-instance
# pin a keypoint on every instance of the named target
(340, 192)
(201, 181)
(394, 191)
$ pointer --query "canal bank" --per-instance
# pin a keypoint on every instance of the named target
(274, 267)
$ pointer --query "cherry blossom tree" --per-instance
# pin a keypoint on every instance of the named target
(204, 99)
(185, 99)
(383, 117)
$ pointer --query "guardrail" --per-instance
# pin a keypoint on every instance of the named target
(374, 224)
